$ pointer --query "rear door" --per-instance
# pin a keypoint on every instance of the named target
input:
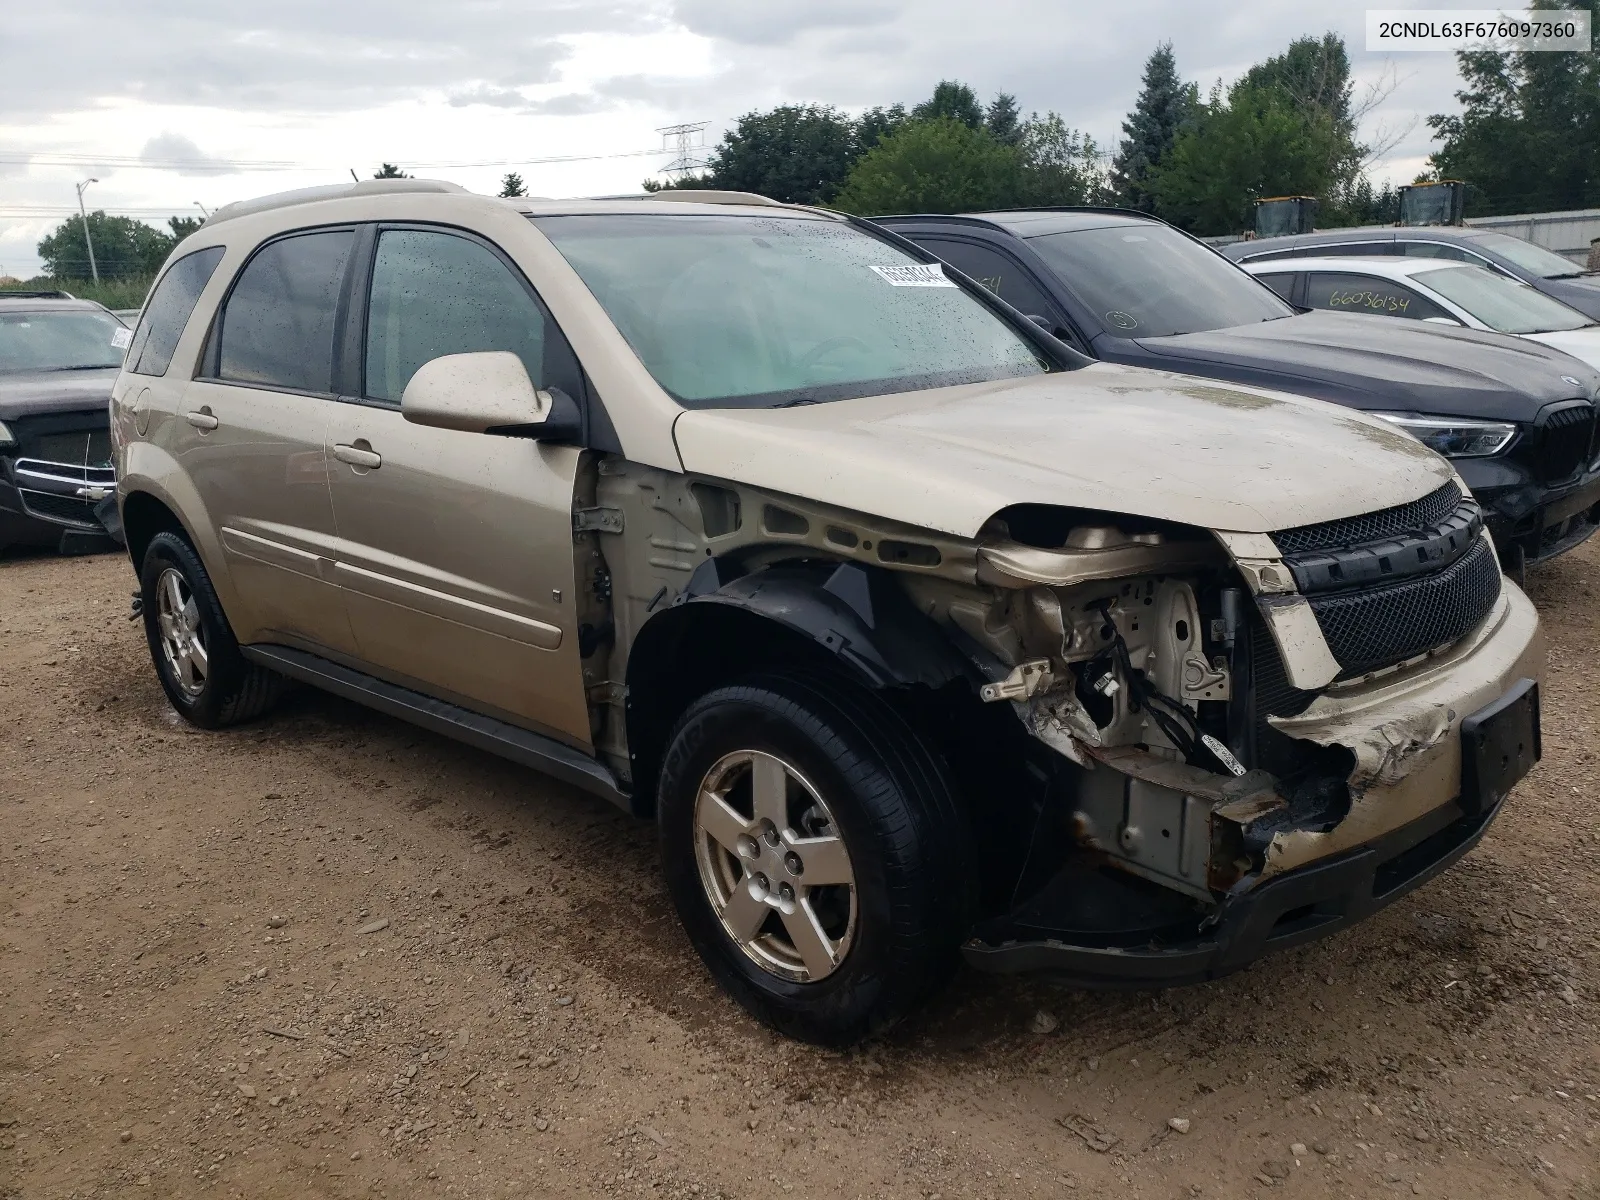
(250, 435)
(456, 549)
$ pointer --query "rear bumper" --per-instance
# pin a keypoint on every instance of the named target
(1296, 907)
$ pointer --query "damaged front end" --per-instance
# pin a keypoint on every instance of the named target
(1258, 738)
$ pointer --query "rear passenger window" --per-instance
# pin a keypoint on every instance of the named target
(1367, 294)
(1437, 250)
(168, 311)
(1282, 283)
(435, 294)
(278, 326)
(1348, 249)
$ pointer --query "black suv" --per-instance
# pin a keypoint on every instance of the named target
(1517, 419)
(1541, 269)
(58, 359)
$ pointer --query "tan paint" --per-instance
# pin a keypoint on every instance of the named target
(1105, 437)
(1307, 660)
(1405, 732)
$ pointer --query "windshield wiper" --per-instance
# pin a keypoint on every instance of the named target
(84, 367)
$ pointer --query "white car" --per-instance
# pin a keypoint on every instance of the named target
(1439, 290)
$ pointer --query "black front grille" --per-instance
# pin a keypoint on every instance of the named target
(58, 508)
(1565, 443)
(1415, 517)
(1379, 626)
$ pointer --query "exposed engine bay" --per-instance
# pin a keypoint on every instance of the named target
(1153, 720)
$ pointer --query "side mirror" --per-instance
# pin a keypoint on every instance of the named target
(484, 392)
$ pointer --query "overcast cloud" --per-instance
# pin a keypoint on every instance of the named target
(168, 102)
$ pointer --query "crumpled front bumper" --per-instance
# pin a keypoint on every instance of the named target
(1308, 903)
(1418, 805)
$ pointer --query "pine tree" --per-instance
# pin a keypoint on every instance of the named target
(512, 185)
(1166, 105)
(389, 171)
(1003, 119)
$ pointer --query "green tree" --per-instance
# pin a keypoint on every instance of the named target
(954, 100)
(1057, 165)
(1528, 134)
(512, 185)
(1314, 74)
(1252, 143)
(1166, 107)
(797, 153)
(878, 123)
(1003, 119)
(182, 227)
(123, 247)
(389, 171)
(939, 165)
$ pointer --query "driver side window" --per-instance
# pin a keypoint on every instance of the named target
(436, 293)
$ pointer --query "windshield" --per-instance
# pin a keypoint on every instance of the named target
(748, 311)
(69, 340)
(1500, 303)
(1149, 280)
(1535, 260)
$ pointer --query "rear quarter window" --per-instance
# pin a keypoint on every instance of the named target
(168, 310)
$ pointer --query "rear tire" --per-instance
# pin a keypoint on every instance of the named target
(815, 851)
(196, 657)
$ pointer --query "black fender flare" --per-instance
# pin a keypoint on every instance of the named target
(858, 614)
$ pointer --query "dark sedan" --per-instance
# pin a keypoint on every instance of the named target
(58, 360)
(1534, 265)
(1517, 418)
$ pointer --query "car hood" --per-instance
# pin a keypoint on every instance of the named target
(1580, 343)
(1386, 363)
(25, 393)
(1116, 439)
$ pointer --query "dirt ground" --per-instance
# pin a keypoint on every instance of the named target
(330, 955)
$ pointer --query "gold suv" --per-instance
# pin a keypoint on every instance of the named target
(919, 636)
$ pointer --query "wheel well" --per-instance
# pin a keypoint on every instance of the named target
(685, 653)
(143, 516)
(1003, 776)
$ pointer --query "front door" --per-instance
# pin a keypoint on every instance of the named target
(252, 433)
(455, 549)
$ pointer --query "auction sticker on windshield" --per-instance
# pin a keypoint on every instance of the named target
(915, 275)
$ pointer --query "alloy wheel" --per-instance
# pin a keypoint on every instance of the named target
(774, 866)
(183, 638)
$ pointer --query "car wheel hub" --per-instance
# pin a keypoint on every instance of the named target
(774, 866)
(183, 638)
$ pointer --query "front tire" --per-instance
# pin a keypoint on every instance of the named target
(813, 846)
(195, 654)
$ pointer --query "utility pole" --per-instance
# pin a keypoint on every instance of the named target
(87, 240)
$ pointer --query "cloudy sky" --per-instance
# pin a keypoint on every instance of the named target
(172, 102)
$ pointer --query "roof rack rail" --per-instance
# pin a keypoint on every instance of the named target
(35, 294)
(699, 196)
(335, 191)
